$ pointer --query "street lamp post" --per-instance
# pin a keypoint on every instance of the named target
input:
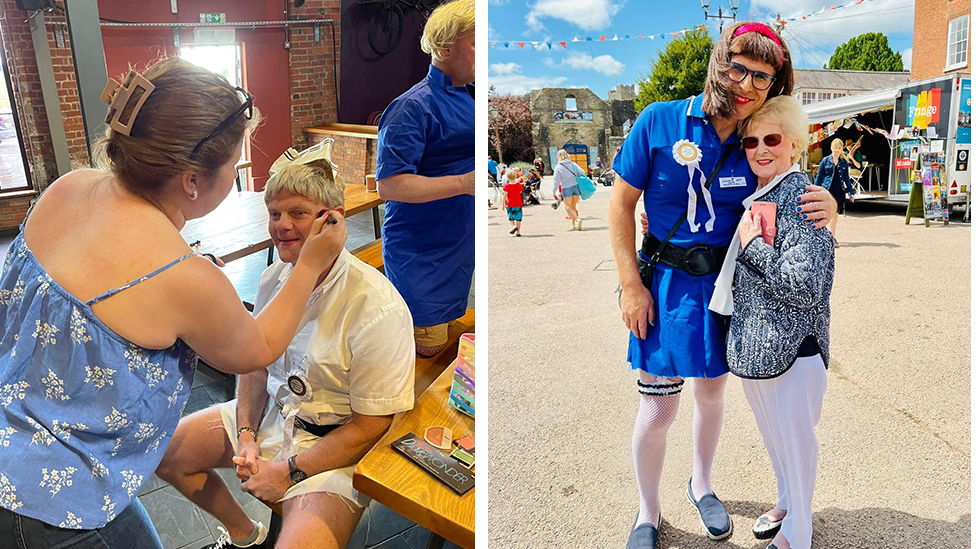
(493, 111)
(734, 4)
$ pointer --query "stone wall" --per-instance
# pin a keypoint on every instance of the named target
(546, 131)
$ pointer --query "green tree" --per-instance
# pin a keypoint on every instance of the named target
(866, 52)
(679, 71)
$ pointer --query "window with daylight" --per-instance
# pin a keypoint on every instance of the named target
(14, 175)
(570, 103)
(958, 45)
(809, 98)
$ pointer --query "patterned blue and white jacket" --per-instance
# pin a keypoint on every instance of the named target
(781, 292)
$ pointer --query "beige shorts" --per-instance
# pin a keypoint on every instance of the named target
(270, 436)
(430, 336)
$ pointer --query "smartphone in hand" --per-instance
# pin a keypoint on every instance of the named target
(768, 211)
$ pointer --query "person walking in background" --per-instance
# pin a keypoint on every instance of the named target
(833, 173)
(539, 166)
(664, 296)
(93, 380)
(513, 202)
(564, 176)
(425, 171)
(779, 337)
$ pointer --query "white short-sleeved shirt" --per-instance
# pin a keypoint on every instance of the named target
(354, 345)
(355, 351)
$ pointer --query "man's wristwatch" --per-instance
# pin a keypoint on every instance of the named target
(296, 474)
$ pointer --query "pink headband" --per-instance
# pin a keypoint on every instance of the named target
(763, 30)
(760, 28)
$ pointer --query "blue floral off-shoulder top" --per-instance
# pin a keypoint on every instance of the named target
(85, 415)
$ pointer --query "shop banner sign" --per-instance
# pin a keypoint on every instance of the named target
(903, 163)
(964, 137)
(922, 107)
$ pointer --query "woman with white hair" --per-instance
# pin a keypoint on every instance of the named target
(834, 174)
(779, 338)
(564, 177)
(425, 172)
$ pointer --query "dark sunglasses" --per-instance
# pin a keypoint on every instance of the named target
(770, 140)
(760, 80)
(247, 109)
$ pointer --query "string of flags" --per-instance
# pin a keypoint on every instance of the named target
(564, 44)
(822, 11)
(828, 130)
(549, 44)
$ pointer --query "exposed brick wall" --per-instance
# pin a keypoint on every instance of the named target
(13, 210)
(354, 157)
(30, 101)
(931, 34)
(313, 92)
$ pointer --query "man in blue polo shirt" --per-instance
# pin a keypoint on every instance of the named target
(425, 172)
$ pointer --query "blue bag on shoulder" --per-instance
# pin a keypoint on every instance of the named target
(586, 187)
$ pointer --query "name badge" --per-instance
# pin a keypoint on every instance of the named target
(731, 182)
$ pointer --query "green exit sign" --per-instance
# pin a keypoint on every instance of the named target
(213, 17)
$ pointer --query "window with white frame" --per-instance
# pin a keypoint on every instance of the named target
(958, 44)
(808, 98)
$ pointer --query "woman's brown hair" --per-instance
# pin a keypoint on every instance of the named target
(188, 103)
(718, 100)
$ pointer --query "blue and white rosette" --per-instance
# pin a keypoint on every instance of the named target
(688, 154)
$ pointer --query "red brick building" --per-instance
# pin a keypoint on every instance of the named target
(293, 85)
(941, 39)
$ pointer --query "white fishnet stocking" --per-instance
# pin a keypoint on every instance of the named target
(706, 428)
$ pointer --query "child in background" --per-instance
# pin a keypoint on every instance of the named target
(513, 202)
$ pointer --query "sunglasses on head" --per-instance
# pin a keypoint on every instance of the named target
(770, 140)
(246, 108)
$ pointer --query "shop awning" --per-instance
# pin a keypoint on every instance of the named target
(842, 107)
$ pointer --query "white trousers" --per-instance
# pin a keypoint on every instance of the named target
(787, 408)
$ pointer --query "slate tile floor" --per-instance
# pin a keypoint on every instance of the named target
(182, 525)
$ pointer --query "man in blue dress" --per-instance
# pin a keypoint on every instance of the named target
(425, 172)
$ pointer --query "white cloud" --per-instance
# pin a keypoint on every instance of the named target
(492, 35)
(590, 15)
(519, 84)
(505, 68)
(906, 57)
(603, 64)
(814, 40)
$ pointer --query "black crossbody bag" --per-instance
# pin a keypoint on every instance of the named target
(646, 268)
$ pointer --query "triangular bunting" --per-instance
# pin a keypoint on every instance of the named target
(614, 39)
(521, 45)
(563, 44)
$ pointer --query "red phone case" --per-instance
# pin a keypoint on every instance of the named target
(768, 211)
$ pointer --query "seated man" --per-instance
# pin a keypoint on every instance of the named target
(299, 427)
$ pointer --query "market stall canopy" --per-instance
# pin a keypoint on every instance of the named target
(852, 105)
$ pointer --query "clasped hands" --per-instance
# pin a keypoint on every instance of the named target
(265, 480)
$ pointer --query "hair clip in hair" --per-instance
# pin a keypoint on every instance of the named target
(136, 88)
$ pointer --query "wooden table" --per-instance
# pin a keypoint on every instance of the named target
(397, 483)
(239, 225)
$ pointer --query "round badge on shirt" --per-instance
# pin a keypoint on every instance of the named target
(297, 385)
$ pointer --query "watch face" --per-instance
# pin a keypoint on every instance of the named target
(298, 476)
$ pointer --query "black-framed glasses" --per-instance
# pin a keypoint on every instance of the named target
(760, 80)
(770, 140)
(247, 109)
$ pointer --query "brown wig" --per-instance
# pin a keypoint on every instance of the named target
(718, 101)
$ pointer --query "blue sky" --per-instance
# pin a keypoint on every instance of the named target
(601, 65)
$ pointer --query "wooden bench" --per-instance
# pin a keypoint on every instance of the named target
(371, 254)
